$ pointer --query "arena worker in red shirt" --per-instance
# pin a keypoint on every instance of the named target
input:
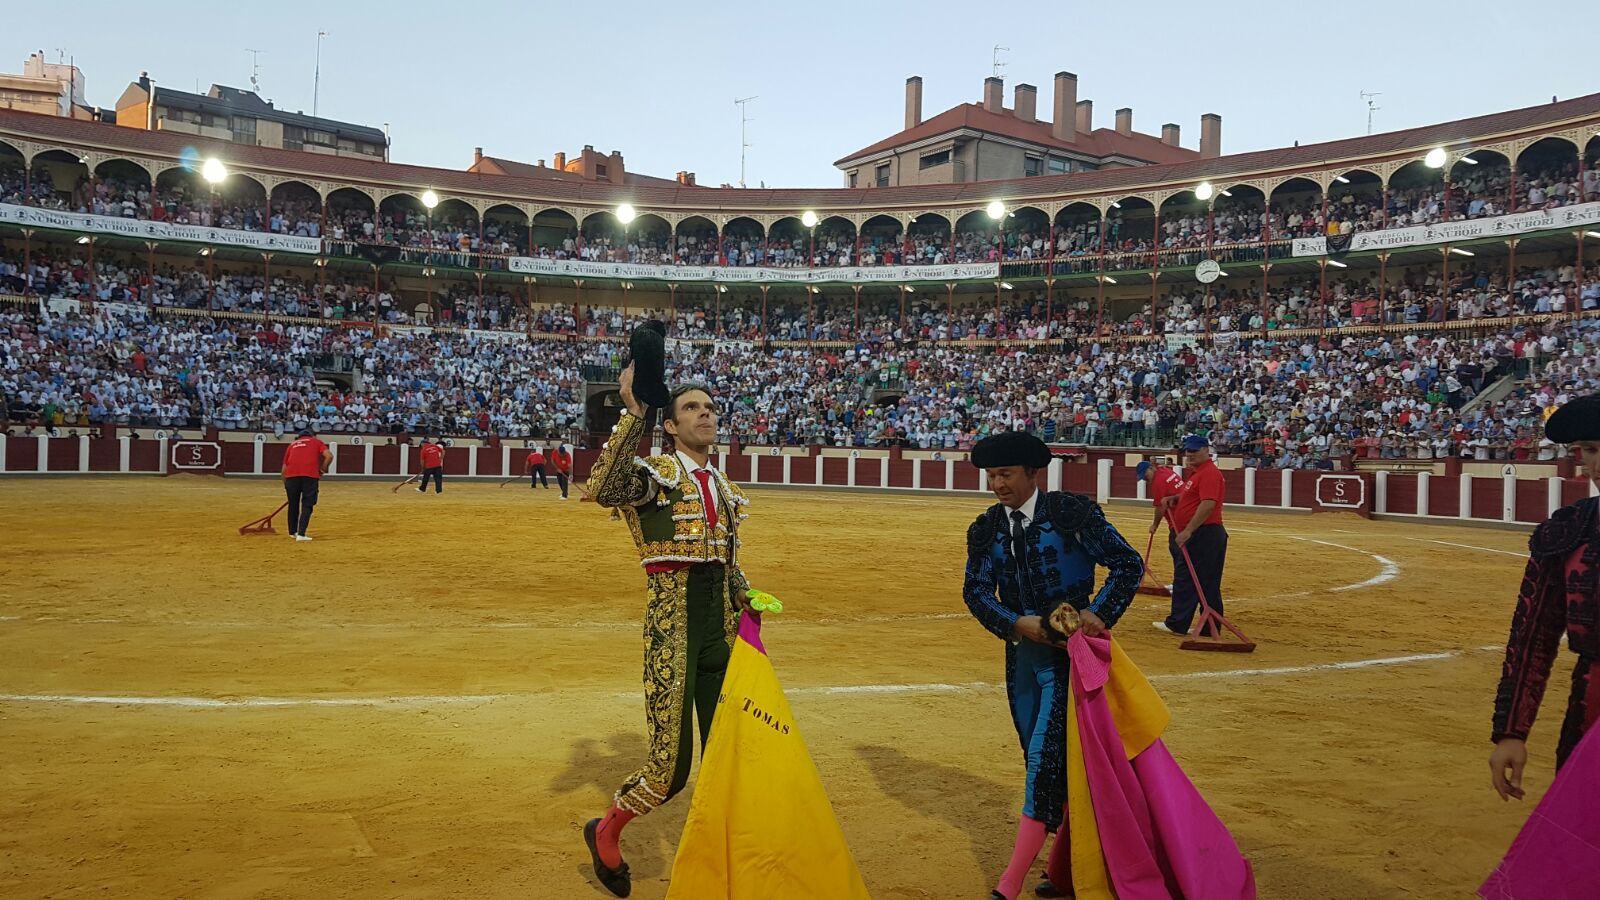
(561, 458)
(1164, 483)
(432, 454)
(534, 469)
(1196, 520)
(303, 464)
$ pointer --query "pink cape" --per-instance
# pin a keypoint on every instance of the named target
(1556, 856)
(1160, 839)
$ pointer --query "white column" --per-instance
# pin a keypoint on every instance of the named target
(788, 467)
(949, 474)
(83, 453)
(1464, 501)
(818, 458)
(366, 466)
(1552, 492)
(1102, 481)
(505, 460)
(1286, 489)
(1141, 491)
(472, 461)
(164, 459)
(883, 471)
(261, 452)
(1422, 492)
(916, 475)
(405, 460)
(3, 440)
(124, 453)
(722, 460)
(43, 463)
(850, 472)
(1053, 476)
(1380, 492)
(1250, 486)
(333, 467)
(1508, 498)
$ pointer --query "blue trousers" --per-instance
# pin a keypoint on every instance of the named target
(1039, 711)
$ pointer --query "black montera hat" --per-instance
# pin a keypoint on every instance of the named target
(1011, 448)
(1577, 420)
(647, 347)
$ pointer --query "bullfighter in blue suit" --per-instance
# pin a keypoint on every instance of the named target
(1027, 555)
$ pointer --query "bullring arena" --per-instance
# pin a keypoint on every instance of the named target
(430, 695)
(430, 699)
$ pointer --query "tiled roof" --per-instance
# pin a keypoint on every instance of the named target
(1100, 143)
(673, 196)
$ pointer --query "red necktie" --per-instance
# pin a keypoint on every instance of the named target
(704, 476)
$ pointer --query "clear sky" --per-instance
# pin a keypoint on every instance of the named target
(658, 80)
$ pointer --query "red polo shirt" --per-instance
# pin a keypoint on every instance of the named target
(563, 460)
(1166, 484)
(432, 456)
(1204, 483)
(535, 458)
(303, 459)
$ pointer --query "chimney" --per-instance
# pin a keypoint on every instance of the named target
(1169, 134)
(477, 155)
(561, 160)
(913, 101)
(1025, 102)
(1062, 128)
(1210, 136)
(541, 163)
(1125, 120)
(1085, 116)
(686, 179)
(994, 90)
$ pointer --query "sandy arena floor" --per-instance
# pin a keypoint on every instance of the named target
(431, 698)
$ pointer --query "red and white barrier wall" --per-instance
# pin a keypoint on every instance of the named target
(1106, 475)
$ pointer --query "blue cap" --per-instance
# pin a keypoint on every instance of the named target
(1142, 468)
(1196, 442)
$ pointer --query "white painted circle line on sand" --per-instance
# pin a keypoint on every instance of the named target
(1391, 569)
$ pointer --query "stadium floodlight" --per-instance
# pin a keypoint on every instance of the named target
(430, 199)
(722, 289)
(214, 171)
(625, 213)
(85, 239)
(996, 209)
(1225, 193)
(1107, 279)
(909, 288)
(1469, 160)
(1341, 179)
(1435, 158)
(1460, 252)
(1005, 285)
(1116, 204)
(1337, 264)
(1593, 234)
(808, 219)
(815, 289)
(1204, 190)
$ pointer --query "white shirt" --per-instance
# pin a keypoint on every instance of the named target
(690, 467)
(1027, 508)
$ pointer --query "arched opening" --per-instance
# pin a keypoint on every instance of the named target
(649, 240)
(182, 196)
(1236, 214)
(59, 179)
(1078, 238)
(13, 175)
(1024, 234)
(1295, 209)
(1416, 197)
(554, 234)
(742, 238)
(1591, 168)
(1547, 175)
(240, 201)
(882, 241)
(603, 239)
(1480, 183)
(694, 241)
(977, 238)
(929, 236)
(835, 242)
(786, 243)
(1130, 234)
(351, 218)
(119, 188)
(505, 233)
(296, 210)
(1183, 234)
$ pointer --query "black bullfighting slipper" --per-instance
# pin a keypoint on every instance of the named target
(1047, 889)
(617, 880)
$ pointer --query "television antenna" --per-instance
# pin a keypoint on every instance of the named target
(255, 68)
(744, 119)
(1372, 106)
(995, 60)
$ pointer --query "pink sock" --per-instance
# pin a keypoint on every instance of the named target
(1030, 837)
(607, 833)
(1059, 868)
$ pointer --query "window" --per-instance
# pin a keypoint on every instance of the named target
(600, 170)
(1059, 166)
(1032, 166)
(244, 130)
(934, 159)
(294, 137)
(853, 178)
(882, 175)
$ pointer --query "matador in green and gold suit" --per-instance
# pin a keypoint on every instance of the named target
(688, 550)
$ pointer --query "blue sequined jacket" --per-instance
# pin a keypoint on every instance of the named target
(1067, 538)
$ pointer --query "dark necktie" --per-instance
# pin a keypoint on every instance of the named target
(1019, 550)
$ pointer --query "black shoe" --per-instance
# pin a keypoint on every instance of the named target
(617, 880)
(1047, 889)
